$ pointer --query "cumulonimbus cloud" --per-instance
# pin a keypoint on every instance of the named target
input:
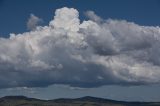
(87, 54)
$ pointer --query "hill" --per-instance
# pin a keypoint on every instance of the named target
(84, 101)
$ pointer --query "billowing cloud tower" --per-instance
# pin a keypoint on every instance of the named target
(89, 54)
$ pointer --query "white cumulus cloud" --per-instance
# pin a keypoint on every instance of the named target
(87, 54)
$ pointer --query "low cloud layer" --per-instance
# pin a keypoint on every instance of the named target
(89, 54)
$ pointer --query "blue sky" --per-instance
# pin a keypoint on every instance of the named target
(144, 12)
(14, 16)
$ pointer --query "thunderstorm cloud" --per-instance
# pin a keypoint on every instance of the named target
(93, 53)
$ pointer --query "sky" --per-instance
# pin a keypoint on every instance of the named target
(70, 48)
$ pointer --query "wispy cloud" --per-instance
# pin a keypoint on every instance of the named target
(33, 21)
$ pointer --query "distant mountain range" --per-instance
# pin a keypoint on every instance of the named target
(84, 101)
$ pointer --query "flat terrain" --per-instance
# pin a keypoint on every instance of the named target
(84, 101)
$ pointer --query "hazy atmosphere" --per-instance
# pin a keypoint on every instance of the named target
(70, 48)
